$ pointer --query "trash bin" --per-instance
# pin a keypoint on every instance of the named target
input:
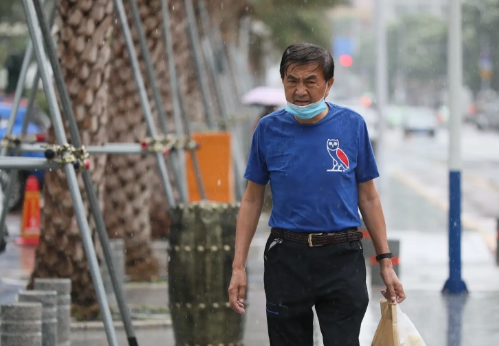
(201, 253)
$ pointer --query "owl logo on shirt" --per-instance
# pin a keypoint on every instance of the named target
(340, 159)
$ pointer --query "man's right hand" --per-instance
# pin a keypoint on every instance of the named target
(237, 290)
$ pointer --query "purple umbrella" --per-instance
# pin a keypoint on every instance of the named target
(265, 96)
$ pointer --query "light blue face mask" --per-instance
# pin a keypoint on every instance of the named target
(309, 111)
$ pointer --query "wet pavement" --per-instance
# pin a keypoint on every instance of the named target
(415, 209)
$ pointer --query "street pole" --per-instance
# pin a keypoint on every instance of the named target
(455, 284)
(381, 83)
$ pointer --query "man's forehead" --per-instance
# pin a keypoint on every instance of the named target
(306, 70)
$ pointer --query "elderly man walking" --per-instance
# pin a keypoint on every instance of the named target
(320, 163)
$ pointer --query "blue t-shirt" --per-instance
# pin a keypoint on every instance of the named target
(313, 169)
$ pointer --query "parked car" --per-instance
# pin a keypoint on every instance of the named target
(37, 126)
(420, 120)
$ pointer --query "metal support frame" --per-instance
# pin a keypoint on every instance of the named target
(177, 115)
(144, 101)
(198, 62)
(157, 97)
(37, 27)
(22, 163)
(115, 148)
(219, 81)
(179, 109)
(12, 118)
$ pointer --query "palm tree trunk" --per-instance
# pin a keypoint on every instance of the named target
(129, 187)
(84, 51)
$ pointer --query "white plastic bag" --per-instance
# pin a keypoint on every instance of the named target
(395, 328)
(408, 334)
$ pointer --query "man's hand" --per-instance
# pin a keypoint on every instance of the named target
(237, 290)
(394, 291)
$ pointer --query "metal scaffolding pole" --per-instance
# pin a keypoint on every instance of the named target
(93, 200)
(25, 163)
(15, 107)
(110, 148)
(155, 90)
(144, 101)
(18, 93)
(203, 80)
(177, 115)
(217, 79)
(178, 97)
(381, 85)
(57, 123)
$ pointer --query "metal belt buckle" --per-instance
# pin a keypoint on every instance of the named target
(310, 239)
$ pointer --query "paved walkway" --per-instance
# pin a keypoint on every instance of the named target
(421, 228)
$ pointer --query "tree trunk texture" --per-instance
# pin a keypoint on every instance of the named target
(226, 14)
(84, 51)
(132, 180)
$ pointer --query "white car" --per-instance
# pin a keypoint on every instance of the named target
(420, 120)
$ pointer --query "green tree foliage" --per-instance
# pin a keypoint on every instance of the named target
(293, 21)
(11, 11)
(480, 21)
(417, 46)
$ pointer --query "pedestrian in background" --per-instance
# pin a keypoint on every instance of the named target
(320, 163)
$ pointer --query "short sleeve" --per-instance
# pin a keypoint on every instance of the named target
(256, 170)
(366, 169)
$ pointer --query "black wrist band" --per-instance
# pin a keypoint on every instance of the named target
(384, 255)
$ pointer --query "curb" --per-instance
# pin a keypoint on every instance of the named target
(139, 325)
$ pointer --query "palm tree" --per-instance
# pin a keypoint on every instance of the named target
(128, 187)
(84, 49)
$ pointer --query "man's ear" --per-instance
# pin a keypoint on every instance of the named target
(329, 85)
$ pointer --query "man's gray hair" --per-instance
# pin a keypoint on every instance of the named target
(307, 53)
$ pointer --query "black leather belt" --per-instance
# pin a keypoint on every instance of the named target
(318, 239)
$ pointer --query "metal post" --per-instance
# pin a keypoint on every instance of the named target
(154, 87)
(497, 241)
(75, 192)
(177, 115)
(381, 80)
(19, 91)
(455, 284)
(36, 37)
(144, 100)
(203, 81)
(177, 93)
